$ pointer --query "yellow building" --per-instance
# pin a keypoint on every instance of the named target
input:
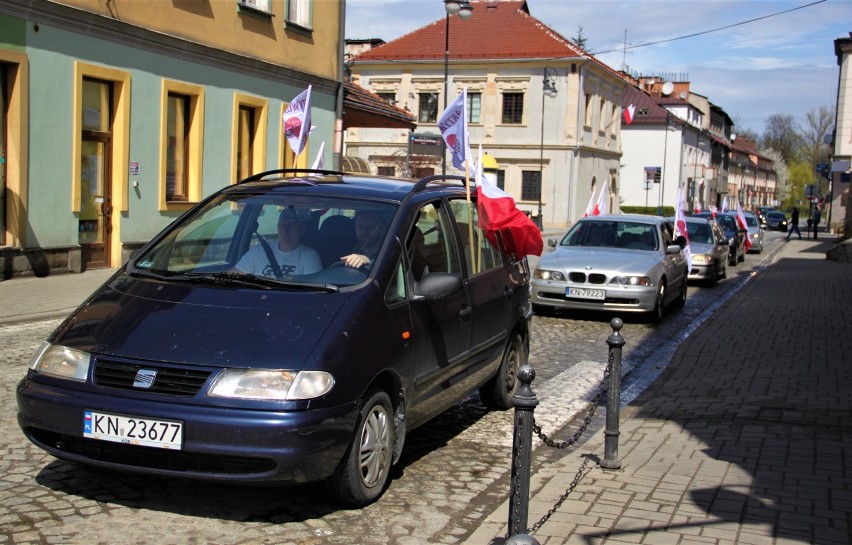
(118, 115)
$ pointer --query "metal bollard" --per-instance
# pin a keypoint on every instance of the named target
(524, 402)
(613, 403)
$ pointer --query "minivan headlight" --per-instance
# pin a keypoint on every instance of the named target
(60, 361)
(271, 385)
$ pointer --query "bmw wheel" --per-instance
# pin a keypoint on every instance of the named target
(660, 307)
(364, 471)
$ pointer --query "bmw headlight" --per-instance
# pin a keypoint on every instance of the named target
(271, 385)
(60, 361)
(631, 281)
(544, 274)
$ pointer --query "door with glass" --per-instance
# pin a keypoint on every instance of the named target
(94, 226)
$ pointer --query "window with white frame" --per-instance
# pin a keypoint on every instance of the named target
(259, 5)
(299, 13)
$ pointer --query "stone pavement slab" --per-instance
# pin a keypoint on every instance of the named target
(746, 437)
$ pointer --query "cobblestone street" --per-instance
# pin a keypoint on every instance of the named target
(453, 474)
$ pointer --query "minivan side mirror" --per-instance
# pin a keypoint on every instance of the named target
(437, 285)
(551, 242)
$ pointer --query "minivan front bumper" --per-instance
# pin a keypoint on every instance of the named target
(219, 443)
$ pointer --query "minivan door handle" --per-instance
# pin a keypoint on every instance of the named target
(465, 312)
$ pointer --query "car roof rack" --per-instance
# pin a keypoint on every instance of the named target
(423, 182)
(260, 175)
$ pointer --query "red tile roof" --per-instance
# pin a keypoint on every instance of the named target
(496, 30)
(361, 108)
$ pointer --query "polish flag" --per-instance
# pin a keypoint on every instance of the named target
(680, 229)
(497, 212)
(725, 204)
(319, 162)
(601, 208)
(743, 225)
(297, 121)
(628, 114)
(591, 206)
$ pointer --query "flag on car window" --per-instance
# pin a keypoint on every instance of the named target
(680, 229)
(743, 225)
(497, 212)
(602, 206)
(453, 127)
(297, 121)
(319, 162)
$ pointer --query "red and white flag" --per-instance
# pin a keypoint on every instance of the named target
(743, 225)
(497, 212)
(680, 229)
(453, 127)
(724, 204)
(591, 206)
(628, 114)
(601, 207)
(296, 121)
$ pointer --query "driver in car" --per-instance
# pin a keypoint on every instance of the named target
(369, 233)
(291, 256)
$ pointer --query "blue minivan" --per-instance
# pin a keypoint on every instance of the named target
(224, 350)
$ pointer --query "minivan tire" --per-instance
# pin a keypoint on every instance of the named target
(496, 394)
(363, 473)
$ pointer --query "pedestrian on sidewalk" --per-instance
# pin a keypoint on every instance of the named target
(816, 217)
(794, 224)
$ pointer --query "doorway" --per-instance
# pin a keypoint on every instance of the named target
(95, 219)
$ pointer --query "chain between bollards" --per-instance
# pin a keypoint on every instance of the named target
(613, 403)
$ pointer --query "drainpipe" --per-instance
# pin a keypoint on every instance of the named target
(338, 109)
(575, 155)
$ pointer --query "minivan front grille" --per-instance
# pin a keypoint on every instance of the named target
(174, 381)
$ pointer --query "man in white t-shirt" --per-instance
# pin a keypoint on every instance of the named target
(292, 256)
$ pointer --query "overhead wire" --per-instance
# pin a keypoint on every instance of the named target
(694, 34)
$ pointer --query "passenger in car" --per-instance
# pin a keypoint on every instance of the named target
(290, 256)
(369, 232)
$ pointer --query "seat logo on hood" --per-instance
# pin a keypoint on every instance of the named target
(144, 378)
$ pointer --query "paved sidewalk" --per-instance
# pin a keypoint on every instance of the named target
(33, 298)
(746, 437)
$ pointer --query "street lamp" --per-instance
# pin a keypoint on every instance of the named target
(463, 10)
(548, 88)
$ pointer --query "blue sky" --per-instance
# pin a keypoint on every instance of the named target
(781, 64)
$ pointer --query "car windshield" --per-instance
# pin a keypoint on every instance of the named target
(699, 233)
(240, 238)
(751, 221)
(776, 215)
(613, 234)
(726, 222)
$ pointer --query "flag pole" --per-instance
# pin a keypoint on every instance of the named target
(469, 214)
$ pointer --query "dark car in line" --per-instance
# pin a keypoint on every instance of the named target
(185, 365)
(776, 221)
(733, 232)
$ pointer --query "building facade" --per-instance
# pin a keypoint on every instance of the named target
(121, 115)
(840, 219)
(548, 112)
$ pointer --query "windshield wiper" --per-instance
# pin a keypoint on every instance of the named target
(252, 281)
